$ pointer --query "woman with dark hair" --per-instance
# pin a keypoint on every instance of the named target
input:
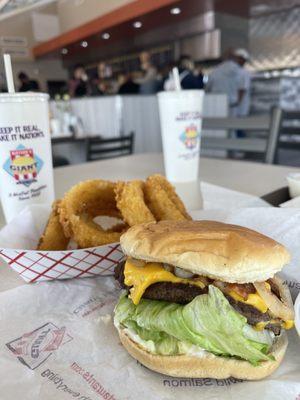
(79, 85)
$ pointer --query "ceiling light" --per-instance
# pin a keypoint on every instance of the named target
(105, 35)
(64, 51)
(137, 24)
(175, 11)
(84, 43)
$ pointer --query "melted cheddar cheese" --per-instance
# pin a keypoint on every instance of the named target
(261, 325)
(253, 299)
(289, 324)
(140, 278)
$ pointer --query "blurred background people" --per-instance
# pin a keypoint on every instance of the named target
(27, 84)
(127, 85)
(164, 74)
(188, 76)
(79, 85)
(3, 87)
(149, 81)
(241, 57)
(199, 74)
(104, 70)
(102, 83)
(229, 78)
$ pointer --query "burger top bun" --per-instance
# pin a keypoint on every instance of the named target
(207, 365)
(229, 253)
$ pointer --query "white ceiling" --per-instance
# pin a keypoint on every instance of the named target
(12, 7)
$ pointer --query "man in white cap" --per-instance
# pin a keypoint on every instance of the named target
(241, 57)
(230, 78)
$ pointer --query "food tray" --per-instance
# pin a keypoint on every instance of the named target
(277, 197)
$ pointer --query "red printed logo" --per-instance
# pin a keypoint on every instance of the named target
(33, 348)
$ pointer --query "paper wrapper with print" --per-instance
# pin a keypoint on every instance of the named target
(58, 340)
(24, 231)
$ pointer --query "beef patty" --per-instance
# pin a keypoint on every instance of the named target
(183, 293)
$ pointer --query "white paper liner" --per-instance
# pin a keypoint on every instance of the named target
(58, 340)
(90, 360)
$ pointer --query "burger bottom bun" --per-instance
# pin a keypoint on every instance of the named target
(208, 365)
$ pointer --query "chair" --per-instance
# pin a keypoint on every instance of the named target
(101, 149)
(59, 161)
(266, 146)
(289, 132)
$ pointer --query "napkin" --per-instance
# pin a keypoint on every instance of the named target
(215, 197)
(295, 203)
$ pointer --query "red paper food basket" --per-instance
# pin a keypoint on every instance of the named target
(19, 239)
(36, 266)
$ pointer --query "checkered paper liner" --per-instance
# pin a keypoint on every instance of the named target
(37, 266)
(24, 231)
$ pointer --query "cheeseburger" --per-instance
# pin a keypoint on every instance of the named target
(202, 299)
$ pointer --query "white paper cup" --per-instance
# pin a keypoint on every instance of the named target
(294, 184)
(26, 171)
(181, 122)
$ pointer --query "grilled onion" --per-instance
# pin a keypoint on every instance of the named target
(168, 267)
(279, 308)
(137, 263)
(182, 273)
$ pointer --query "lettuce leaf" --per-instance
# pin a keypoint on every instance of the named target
(208, 322)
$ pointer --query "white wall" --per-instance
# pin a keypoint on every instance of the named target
(21, 25)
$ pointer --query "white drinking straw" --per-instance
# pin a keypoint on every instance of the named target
(176, 78)
(9, 74)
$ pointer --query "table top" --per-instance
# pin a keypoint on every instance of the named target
(249, 177)
(253, 178)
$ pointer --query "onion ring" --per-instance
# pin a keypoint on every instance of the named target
(163, 201)
(130, 201)
(53, 237)
(279, 308)
(81, 204)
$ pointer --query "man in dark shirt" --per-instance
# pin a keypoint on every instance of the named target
(27, 85)
(187, 77)
(127, 85)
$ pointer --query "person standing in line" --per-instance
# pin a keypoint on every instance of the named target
(79, 84)
(126, 84)
(149, 82)
(26, 84)
(241, 58)
(228, 78)
(188, 78)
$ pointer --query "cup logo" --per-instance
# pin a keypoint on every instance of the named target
(190, 137)
(23, 165)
